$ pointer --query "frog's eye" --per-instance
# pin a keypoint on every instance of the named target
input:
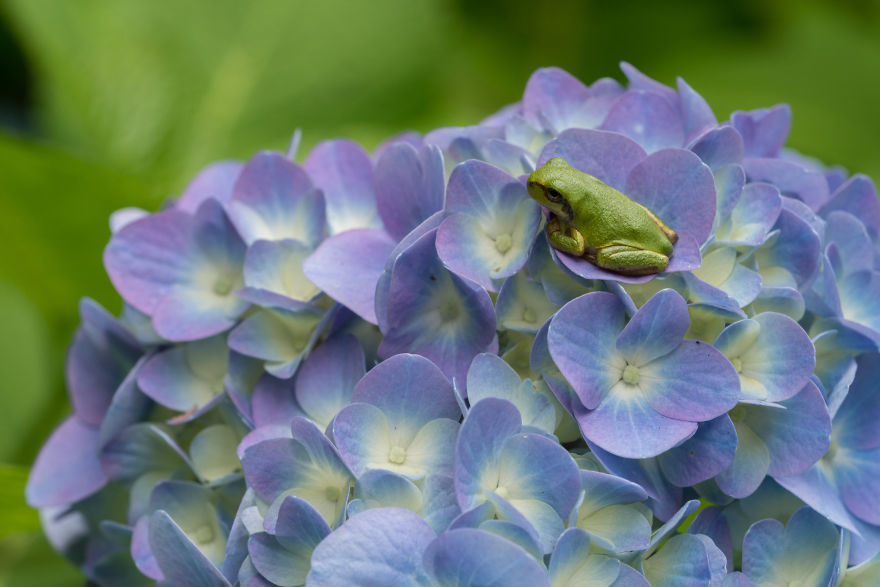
(553, 195)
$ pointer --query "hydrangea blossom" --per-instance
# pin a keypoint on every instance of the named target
(375, 368)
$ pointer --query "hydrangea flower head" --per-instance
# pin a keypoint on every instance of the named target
(379, 369)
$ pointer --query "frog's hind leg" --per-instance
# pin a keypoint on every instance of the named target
(628, 260)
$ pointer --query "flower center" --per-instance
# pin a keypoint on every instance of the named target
(222, 286)
(631, 375)
(449, 311)
(529, 315)
(203, 534)
(397, 455)
(503, 242)
(331, 493)
(737, 364)
(502, 491)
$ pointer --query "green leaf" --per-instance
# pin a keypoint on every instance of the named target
(164, 89)
(53, 217)
(17, 516)
(24, 348)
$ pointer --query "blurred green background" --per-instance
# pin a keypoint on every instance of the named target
(106, 104)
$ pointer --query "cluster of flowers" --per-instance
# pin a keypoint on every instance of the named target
(375, 370)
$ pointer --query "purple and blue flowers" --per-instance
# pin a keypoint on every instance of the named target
(376, 370)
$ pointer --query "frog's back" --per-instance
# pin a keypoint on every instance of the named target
(614, 218)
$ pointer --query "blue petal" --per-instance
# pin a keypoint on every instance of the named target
(656, 329)
(810, 187)
(685, 560)
(434, 313)
(703, 455)
(342, 169)
(719, 147)
(581, 341)
(626, 425)
(764, 131)
(274, 199)
(381, 546)
(326, 380)
(67, 468)
(181, 561)
(679, 188)
(648, 119)
(347, 266)
(214, 181)
(409, 186)
(558, 98)
(608, 156)
(474, 557)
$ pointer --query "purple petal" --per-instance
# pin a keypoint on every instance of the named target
(855, 424)
(326, 380)
(641, 82)
(858, 196)
(694, 382)
(342, 169)
(648, 119)
(475, 557)
(363, 436)
(792, 180)
(764, 131)
(797, 436)
(755, 212)
(816, 490)
(408, 388)
(147, 257)
(277, 267)
(666, 497)
(719, 147)
(347, 267)
(656, 329)
(409, 186)
(710, 522)
(702, 456)
(858, 478)
(696, 116)
(480, 441)
(556, 97)
(214, 181)
(581, 341)
(381, 546)
(273, 403)
(100, 357)
(608, 156)
(434, 313)
(67, 468)
(626, 425)
(181, 561)
(749, 466)
(679, 188)
(274, 199)
(186, 377)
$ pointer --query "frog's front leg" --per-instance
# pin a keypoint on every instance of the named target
(565, 237)
(629, 260)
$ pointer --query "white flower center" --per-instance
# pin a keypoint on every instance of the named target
(222, 286)
(631, 375)
(397, 455)
(503, 242)
(529, 315)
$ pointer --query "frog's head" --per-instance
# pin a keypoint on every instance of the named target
(553, 185)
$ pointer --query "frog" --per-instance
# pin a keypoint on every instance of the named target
(591, 219)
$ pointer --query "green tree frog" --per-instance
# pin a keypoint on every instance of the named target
(594, 220)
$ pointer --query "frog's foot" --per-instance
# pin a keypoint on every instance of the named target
(565, 238)
(628, 260)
